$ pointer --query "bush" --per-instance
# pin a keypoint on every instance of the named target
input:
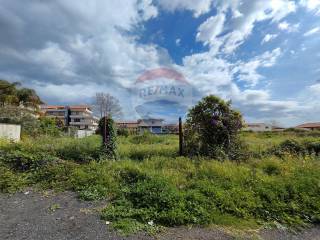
(9, 181)
(109, 148)
(122, 132)
(24, 161)
(313, 147)
(211, 128)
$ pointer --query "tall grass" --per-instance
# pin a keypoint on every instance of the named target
(150, 182)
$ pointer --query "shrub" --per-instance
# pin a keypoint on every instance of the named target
(289, 146)
(313, 147)
(271, 167)
(109, 137)
(9, 181)
(122, 132)
(23, 161)
(50, 126)
(211, 128)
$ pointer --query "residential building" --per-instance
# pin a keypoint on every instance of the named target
(258, 127)
(278, 128)
(76, 116)
(171, 128)
(55, 111)
(131, 126)
(151, 125)
(309, 126)
(82, 117)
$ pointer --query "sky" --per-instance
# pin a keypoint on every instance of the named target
(263, 55)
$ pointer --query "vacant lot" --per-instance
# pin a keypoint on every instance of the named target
(149, 187)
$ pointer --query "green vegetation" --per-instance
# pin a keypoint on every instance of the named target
(11, 94)
(149, 186)
(212, 129)
(109, 137)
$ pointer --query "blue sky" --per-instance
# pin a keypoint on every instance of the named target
(263, 55)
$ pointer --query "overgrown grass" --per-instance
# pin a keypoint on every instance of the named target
(150, 186)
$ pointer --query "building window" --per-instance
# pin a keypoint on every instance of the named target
(76, 120)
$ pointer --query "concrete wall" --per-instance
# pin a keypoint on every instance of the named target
(259, 128)
(83, 133)
(10, 131)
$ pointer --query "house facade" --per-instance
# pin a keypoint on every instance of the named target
(131, 126)
(142, 125)
(79, 116)
(150, 125)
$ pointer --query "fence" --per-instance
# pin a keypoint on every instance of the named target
(10, 131)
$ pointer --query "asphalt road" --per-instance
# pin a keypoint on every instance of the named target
(35, 216)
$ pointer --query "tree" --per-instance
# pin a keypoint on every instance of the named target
(28, 97)
(108, 105)
(211, 128)
(10, 94)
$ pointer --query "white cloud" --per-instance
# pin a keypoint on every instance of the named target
(53, 58)
(198, 7)
(248, 71)
(268, 38)
(312, 32)
(311, 5)
(285, 26)
(73, 49)
(211, 28)
(245, 14)
(148, 9)
(315, 89)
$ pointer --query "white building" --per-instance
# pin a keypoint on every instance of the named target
(77, 116)
(258, 127)
(151, 125)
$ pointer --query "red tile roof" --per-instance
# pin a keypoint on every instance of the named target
(79, 107)
(52, 107)
(309, 125)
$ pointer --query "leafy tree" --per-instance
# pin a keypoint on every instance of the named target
(109, 144)
(211, 128)
(49, 126)
(11, 94)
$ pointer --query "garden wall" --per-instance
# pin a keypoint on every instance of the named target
(10, 131)
(84, 133)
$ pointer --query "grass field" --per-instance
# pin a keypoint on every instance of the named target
(150, 186)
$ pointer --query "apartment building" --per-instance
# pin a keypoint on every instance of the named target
(80, 116)
(151, 125)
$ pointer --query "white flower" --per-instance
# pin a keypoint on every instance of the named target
(107, 222)
(150, 223)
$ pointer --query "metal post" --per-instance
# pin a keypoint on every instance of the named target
(180, 137)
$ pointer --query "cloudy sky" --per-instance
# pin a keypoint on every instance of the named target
(264, 55)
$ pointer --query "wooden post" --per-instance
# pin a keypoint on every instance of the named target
(180, 137)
